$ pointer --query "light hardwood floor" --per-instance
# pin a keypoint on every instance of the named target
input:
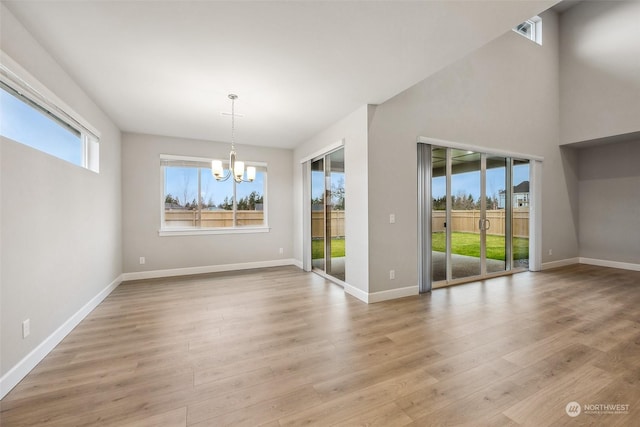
(281, 347)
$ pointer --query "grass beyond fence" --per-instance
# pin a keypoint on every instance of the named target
(462, 244)
(469, 244)
(337, 248)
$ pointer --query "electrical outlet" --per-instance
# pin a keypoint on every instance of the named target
(392, 218)
(142, 260)
(26, 328)
(392, 274)
(550, 251)
(281, 251)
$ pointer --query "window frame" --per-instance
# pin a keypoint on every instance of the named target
(536, 29)
(17, 82)
(194, 231)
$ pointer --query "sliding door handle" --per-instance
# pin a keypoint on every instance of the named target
(484, 224)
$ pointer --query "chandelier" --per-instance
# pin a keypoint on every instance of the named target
(236, 167)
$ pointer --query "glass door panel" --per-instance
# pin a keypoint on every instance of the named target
(465, 214)
(520, 214)
(495, 223)
(438, 213)
(317, 214)
(335, 253)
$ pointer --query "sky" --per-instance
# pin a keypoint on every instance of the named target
(469, 182)
(30, 126)
(317, 182)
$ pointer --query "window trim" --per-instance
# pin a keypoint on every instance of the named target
(536, 29)
(26, 88)
(166, 232)
(191, 231)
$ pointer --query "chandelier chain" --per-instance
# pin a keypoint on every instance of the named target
(233, 121)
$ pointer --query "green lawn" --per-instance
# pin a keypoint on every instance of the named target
(337, 248)
(469, 244)
(463, 244)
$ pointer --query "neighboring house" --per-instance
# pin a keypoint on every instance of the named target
(520, 196)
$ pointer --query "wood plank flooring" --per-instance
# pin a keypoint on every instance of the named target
(280, 347)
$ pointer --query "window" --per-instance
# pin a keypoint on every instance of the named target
(34, 117)
(531, 29)
(194, 202)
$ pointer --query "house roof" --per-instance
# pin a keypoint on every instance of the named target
(523, 187)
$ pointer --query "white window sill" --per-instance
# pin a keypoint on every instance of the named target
(165, 232)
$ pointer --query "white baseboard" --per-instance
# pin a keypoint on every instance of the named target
(374, 297)
(358, 293)
(560, 263)
(154, 274)
(297, 263)
(23, 367)
(612, 264)
(591, 261)
(393, 294)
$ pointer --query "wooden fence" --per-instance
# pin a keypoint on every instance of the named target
(467, 221)
(317, 224)
(463, 220)
(185, 218)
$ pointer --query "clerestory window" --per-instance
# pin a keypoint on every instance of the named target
(531, 29)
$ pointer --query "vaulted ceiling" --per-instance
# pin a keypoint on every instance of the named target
(166, 67)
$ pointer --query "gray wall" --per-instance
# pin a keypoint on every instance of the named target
(600, 70)
(609, 182)
(141, 203)
(503, 96)
(60, 224)
(353, 129)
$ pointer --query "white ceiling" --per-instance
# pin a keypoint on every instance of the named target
(166, 67)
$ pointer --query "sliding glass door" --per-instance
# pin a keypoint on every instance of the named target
(476, 228)
(328, 237)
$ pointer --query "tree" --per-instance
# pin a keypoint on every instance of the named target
(242, 204)
(440, 203)
(227, 204)
(171, 200)
(248, 203)
(185, 187)
(464, 202)
(192, 206)
(337, 195)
